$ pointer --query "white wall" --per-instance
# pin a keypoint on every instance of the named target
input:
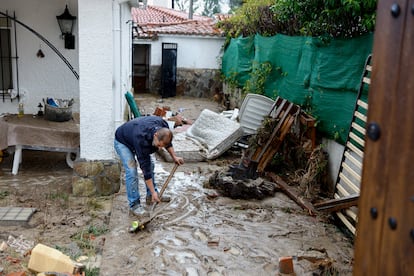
(335, 151)
(160, 3)
(122, 58)
(40, 78)
(97, 82)
(192, 52)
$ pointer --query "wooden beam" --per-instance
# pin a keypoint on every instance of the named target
(291, 194)
(334, 205)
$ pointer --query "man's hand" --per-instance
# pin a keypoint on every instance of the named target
(155, 197)
(179, 160)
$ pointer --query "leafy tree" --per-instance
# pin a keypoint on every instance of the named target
(235, 4)
(184, 5)
(325, 18)
(333, 18)
(254, 16)
(211, 7)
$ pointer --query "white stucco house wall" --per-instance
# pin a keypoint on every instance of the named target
(101, 57)
(37, 78)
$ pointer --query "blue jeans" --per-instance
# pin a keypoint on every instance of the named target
(131, 173)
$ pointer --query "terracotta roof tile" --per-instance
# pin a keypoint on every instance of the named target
(157, 20)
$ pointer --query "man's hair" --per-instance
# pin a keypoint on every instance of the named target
(165, 135)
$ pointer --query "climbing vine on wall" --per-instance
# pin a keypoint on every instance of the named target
(258, 77)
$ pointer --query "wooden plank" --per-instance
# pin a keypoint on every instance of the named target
(357, 139)
(257, 154)
(269, 141)
(349, 182)
(345, 221)
(360, 116)
(334, 205)
(353, 160)
(268, 156)
(351, 214)
(352, 172)
(352, 147)
(359, 128)
(291, 194)
(341, 189)
(362, 104)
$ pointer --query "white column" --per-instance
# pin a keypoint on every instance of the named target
(96, 83)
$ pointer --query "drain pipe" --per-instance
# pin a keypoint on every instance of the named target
(190, 11)
(116, 33)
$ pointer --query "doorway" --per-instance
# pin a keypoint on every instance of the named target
(169, 70)
(140, 58)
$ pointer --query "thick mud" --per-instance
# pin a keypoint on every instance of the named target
(198, 233)
(202, 233)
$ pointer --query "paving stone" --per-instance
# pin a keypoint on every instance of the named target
(15, 215)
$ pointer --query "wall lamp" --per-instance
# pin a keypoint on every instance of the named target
(66, 22)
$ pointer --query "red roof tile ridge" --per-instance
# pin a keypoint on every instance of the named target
(161, 24)
(169, 12)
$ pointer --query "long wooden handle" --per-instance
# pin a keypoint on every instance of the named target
(163, 189)
(168, 180)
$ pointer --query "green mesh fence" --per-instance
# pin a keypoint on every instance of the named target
(322, 77)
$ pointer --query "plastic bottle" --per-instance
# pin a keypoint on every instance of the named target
(21, 110)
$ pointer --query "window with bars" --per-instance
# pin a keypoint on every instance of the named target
(6, 76)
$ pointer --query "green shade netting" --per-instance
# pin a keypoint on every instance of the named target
(237, 59)
(323, 76)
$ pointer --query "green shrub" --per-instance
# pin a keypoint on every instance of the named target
(323, 18)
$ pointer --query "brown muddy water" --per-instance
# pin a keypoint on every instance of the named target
(202, 233)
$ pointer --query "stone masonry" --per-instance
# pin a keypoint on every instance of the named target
(96, 178)
(200, 83)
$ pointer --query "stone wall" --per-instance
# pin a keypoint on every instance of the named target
(233, 96)
(96, 178)
(201, 83)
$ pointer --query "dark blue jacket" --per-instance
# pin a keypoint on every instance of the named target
(137, 135)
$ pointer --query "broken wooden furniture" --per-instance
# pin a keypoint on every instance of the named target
(279, 122)
(36, 133)
(284, 112)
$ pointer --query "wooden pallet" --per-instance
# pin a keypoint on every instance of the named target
(285, 113)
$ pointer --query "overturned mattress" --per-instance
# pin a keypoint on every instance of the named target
(208, 137)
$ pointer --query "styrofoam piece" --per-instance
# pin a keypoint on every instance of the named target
(44, 258)
(252, 112)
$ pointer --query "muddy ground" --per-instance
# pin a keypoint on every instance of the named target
(199, 232)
